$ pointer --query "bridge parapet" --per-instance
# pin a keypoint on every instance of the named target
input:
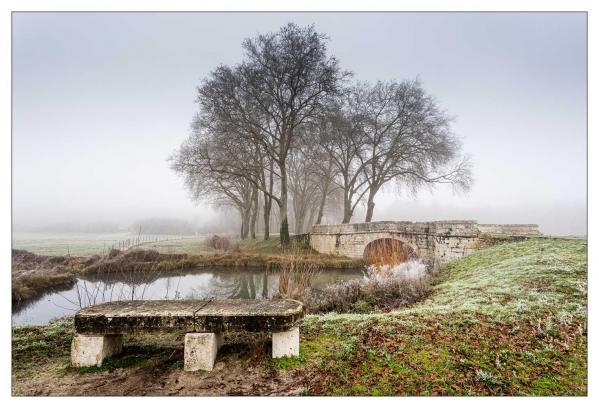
(501, 230)
(449, 228)
(434, 242)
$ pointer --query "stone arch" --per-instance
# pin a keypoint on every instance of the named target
(389, 250)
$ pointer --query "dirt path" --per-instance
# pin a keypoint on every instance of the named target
(143, 381)
(242, 368)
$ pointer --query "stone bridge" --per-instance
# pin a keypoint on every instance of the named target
(434, 242)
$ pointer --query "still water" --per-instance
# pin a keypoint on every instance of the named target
(202, 283)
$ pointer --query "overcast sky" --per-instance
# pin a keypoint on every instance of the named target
(100, 100)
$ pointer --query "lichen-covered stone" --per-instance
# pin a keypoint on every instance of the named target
(200, 351)
(433, 242)
(89, 351)
(285, 344)
(249, 315)
(138, 316)
(188, 316)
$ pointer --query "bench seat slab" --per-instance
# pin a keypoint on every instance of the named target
(248, 315)
(137, 317)
(186, 316)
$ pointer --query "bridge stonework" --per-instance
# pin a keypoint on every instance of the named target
(434, 242)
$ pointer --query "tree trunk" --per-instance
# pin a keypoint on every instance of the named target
(347, 213)
(299, 221)
(267, 207)
(369, 211)
(323, 201)
(370, 205)
(245, 224)
(284, 230)
(254, 213)
(310, 220)
(268, 203)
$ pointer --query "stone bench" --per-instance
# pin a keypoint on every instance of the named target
(100, 328)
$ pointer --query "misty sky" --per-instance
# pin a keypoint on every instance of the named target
(100, 100)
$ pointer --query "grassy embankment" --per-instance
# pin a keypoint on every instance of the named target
(508, 320)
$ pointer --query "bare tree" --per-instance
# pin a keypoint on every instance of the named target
(342, 138)
(408, 140)
(281, 85)
(207, 184)
(326, 174)
(304, 186)
(279, 127)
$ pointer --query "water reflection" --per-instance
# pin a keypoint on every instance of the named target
(218, 283)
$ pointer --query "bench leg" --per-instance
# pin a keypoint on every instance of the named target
(88, 351)
(285, 344)
(200, 350)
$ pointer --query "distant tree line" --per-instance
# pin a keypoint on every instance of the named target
(286, 135)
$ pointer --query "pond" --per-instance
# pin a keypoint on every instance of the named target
(200, 283)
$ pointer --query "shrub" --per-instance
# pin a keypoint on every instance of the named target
(113, 253)
(369, 294)
(412, 269)
(219, 243)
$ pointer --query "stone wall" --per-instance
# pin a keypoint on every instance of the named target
(434, 242)
(501, 230)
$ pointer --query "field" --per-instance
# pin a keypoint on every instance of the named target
(98, 244)
(507, 320)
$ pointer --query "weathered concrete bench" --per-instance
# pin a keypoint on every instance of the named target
(100, 328)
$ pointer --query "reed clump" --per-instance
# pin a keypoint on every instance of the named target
(296, 276)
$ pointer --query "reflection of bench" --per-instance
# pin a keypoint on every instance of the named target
(99, 329)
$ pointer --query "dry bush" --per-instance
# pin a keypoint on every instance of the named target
(368, 295)
(388, 252)
(295, 276)
(219, 243)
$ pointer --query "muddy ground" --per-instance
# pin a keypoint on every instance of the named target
(153, 365)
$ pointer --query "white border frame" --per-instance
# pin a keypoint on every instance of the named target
(7, 6)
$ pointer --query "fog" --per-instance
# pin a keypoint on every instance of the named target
(100, 101)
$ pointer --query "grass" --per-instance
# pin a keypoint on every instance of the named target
(186, 245)
(87, 244)
(259, 245)
(508, 320)
(35, 345)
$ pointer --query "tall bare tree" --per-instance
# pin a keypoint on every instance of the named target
(342, 138)
(408, 140)
(304, 186)
(282, 83)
